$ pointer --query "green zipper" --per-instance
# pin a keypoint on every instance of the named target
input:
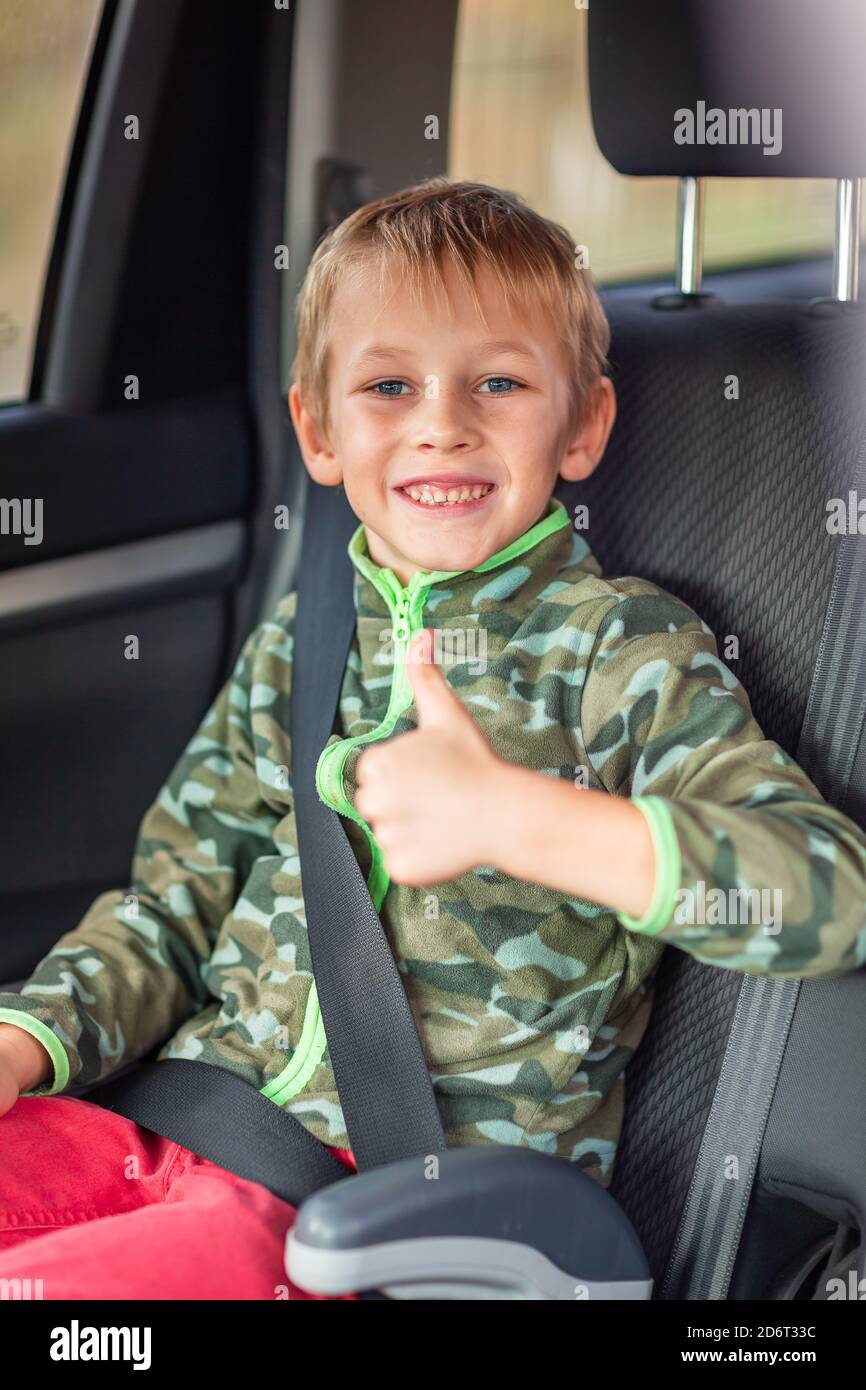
(406, 607)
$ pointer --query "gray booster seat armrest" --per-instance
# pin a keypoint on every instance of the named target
(469, 1223)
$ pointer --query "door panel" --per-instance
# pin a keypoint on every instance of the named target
(86, 738)
(105, 478)
(157, 502)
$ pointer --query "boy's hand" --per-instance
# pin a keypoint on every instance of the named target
(24, 1064)
(427, 794)
(9, 1087)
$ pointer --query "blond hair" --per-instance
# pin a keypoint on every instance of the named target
(412, 232)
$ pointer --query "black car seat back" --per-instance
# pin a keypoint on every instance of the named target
(738, 425)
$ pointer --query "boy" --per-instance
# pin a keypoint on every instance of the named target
(585, 785)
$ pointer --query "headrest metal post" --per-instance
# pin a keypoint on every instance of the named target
(846, 260)
(690, 235)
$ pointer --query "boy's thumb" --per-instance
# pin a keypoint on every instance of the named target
(434, 699)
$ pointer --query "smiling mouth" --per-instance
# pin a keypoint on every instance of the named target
(432, 495)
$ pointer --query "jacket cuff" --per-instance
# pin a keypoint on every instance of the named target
(668, 867)
(52, 1044)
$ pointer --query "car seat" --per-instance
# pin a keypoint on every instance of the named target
(722, 501)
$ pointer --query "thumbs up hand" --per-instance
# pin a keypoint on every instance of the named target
(427, 795)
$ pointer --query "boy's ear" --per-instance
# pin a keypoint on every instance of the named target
(589, 442)
(319, 459)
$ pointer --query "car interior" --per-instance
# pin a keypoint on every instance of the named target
(151, 417)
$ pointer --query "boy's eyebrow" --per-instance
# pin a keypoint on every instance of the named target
(382, 351)
(507, 345)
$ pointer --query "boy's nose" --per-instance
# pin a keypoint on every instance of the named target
(443, 421)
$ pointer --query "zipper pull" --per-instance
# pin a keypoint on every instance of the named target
(401, 622)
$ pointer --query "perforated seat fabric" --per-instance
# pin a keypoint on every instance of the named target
(669, 1087)
(724, 503)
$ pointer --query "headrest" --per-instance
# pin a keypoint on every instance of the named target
(737, 88)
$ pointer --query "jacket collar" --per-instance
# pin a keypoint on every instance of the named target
(542, 550)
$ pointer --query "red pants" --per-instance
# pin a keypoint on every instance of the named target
(96, 1207)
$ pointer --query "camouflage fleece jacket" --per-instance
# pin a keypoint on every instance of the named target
(529, 1003)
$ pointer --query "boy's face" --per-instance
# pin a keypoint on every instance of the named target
(435, 401)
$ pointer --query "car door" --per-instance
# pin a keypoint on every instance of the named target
(145, 446)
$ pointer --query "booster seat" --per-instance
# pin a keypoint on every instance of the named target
(717, 501)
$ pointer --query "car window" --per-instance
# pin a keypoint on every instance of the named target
(520, 119)
(44, 51)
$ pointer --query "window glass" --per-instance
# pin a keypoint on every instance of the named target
(44, 51)
(520, 119)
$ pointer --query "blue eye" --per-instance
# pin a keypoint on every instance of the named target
(379, 384)
(491, 380)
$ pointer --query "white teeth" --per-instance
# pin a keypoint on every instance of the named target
(434, 496)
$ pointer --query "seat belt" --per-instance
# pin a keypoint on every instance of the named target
(383, 1081)
(832, 751)
(382, 1078)
(832, 748)
(220, 1116)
